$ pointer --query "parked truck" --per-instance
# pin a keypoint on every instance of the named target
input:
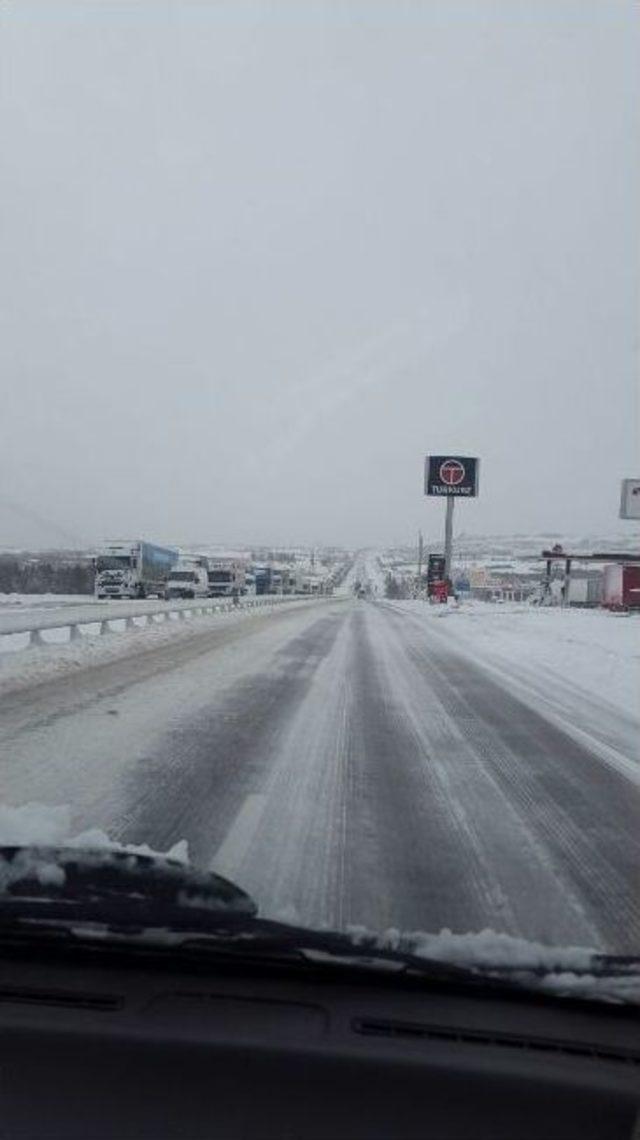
(621, 587)
(133, 569)
(188, 579)
(585, 591)
(268, 578)
(226, 577)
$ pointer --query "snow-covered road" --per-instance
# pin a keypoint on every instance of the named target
(349, 762)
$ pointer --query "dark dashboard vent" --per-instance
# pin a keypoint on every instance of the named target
(405, 1029)
(59, 998)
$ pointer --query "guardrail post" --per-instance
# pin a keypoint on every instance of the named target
(104, 626)
(181, 615)
(74, 633)
(36, 638)
(129, 623)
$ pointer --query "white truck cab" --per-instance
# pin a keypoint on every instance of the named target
(133, 569)
(227, 577)
(188, 580)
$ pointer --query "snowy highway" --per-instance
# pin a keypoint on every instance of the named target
(347, 762)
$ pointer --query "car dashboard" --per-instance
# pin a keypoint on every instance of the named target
(97, 1045)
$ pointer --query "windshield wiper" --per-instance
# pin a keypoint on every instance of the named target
(75, 893)
(116, 888)
(71, 891)
(161, 903)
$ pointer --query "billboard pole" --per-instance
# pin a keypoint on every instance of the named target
(452, 476)
(448, 535)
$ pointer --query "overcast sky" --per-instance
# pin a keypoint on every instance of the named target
(259, 259)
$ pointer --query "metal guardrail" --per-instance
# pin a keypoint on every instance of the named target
(35, 625)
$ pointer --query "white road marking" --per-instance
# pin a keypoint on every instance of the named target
(235, 846)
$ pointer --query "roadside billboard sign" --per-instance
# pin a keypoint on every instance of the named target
(630, 499)
(455, 475)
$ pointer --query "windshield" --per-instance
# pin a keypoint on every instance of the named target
(346, 295)
(112, 562)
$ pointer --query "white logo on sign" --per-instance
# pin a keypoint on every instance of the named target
(452, 472)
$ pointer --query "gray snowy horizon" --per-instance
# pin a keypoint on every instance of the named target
(260, 259)
(620, 541)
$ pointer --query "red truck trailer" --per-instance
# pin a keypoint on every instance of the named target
(621, 587)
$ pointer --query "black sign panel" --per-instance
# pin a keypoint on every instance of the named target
(435, 568)
(451, 475)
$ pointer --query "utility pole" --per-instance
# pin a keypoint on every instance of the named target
(420, 553)
(448, 535)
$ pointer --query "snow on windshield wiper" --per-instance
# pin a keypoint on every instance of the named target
(126, 895)
(115, 888)
(561, 971)
(133, 897)
(496, 952)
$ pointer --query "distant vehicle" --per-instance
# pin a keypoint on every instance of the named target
(621, 587)
(188, 579)
(277, 583)
(312, 584)
(225, 577)
(585, 591)
(133, 569)
(268, 578)
(289, 580)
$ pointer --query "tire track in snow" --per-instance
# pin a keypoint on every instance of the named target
(484, 864)
(201, 772)
(581, 815)
(298, 861)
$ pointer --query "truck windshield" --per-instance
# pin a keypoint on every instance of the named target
(219, 575)
(113, 562)
(183, 576)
